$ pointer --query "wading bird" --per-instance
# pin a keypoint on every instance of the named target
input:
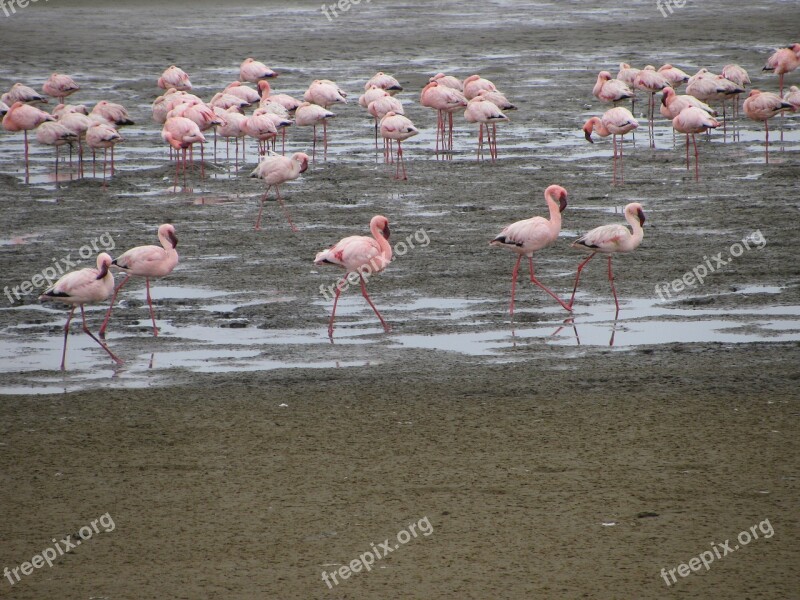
(21, 117)
(60, 86)
(482, 111)
(397, 128)
(692, 120)
(615, 122)
(275, 171)
(782, 61)
(762, 106)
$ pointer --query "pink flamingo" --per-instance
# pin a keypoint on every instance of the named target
(531, 235)
(55, 134)
(360, 254)
(324, 93)
(368, 97)
(627, 74)
(79, 124)
(474, 84)
(611, 90)
(101, 135)
(609, 240)
(22, 117)
(384, 82)
(616, 121)
(246, 93)
(232, 127)
(762, 106)
(692, 120)
(675, 103)
(651, 81)
(399, 128)
(180, 133)
(60, 86)
(113, 114)
(205, 118)
(380, 107)
(740, 77)
(22, 93)
(175, 77)
(793, 98)
(147, 262)
(228, 101)
(445, 100)
(448, 81)
(782, 61)
(311, 115)
(280, 118)
(254, 71)
(675, 76)
(65, 109)
(482, 111)
(288, 102)
(275, 171)
(82, 287)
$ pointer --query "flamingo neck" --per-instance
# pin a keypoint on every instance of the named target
(383, 243)
(555, 213)
(638, 232)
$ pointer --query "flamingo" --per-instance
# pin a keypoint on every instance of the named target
(740, 77)
(60, 86)
(380, 107)
(279, 117)
(359, 254)
(782, 61)
(692, 120)
(325, 93)
(675, 76)
(180, 133)
(498, 99)
(446, 100)
(82, 287)
(627, 74)
(368, 97)
(245, 92)
(65, 109)
(22, 93)
(616, 121)
(254, 71)
(174, 77)
(275, 171)
(611, 239)
(531, 235)
(53, 133)
(21, 117)
(651, 81)
(675, 103)
(762, 106)
(448, 81)
(611, 90)
(228, 101)
(231, 128)
(399, 128)
(311, 115)
(288, 102)
(482, 111)
(474, 84)
(793, 98)
(384, 82)
(205, 118)
(101, 135)
(147, 262)
(111, 113)
(79, 124)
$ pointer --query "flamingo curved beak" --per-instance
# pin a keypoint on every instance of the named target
(640, 214)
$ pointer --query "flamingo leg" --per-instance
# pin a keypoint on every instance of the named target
(439, 134)
(314, 146)
(91, 335)
(450, 134)
(480, 140)
(27, 172)
(283, 207)
(611, 280)
(514, 274)
(696, 161)
(333, 312)
(687, 151)
(260, 210)
(103, 327)
(150, 304)
(66, 334)
(545, 288)
(614, 142)
(621, 160)
(112, 161)
(325, 138)
(386, 327)
(578, 276)
(766, 140)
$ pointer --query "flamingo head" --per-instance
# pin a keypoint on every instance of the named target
(634, 208)
(302, 158)
(381, 223)
(666, 93)
(104, 261)
(588, 127)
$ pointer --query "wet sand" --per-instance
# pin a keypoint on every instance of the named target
(241, 454)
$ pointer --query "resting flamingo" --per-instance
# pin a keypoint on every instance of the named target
(398, 128)
(22, 117)
(311, 115)
(782, 61)
(482, 111)
(446, 100)
(254, 71)
(762, 106)
(692, 120)
(384, 82)
(60, 86)
(174, 77)
(616, 121)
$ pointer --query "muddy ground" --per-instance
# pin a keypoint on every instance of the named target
(241, 454)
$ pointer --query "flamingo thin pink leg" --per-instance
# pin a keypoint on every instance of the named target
(514, 274)
(66, 334)
(150, 303)
(611, 280)
(386, 327)
(103, 327)
(333, 312)
(283, 207)
(696, 160)
(260, 210)
(545, 288)
(578, 276)
(766, 141)
(27, 173)
(91, 335)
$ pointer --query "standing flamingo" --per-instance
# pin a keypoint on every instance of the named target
(762, 106)
(254, 71)
(362, 255)
(530, 235)
(55, 134)
(325, 93)
(368, 97)
(740, 77)
(474, 84)
(616, 121)
(147, 262)
(782, 61)
(448, 81)
(399, 128)
(245, 92)
(22, 93)
(113, 114)
(610, 239)
(692, 120)
(21, 117)
(482, 111)
(311, 115)
(288, 102)
(180, 133)
(446, 100)
(79, 124)
(611, 90)
(81, 287)
(60, 86)
(675, 76)
(175, 77)
(380, 107)
(384, 82)
(793, 97)
(101, 135)
(651, 81)
(275, 171)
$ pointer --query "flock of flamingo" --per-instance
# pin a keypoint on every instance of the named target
(185, 117)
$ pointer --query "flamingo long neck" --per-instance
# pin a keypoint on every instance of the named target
(598, 125)
(383, 243)
(555, 214)
(166, 243)
(636, 226)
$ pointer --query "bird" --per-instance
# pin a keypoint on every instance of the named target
(675, 76)
(498, 99)
(474, 84)
(782, 61)
(82, 287)
(276, 170)
(611, 239)
(290, 103)
(651, 81)
(254, 71)
(534, 234)
(102, 135)
(692, 120)
(245, 92)
(448, 81)
(615, 121)
(793, 97)
(362, 255)
(325, 93)
(22, 93)
(674, 103)
(147, 262)
(380, 107)
(231, 128)
(627, 74)
(384, 82)
(60, 86)
(205, 118)
(445, 99)
(311, 115)
(22, 117)
(111, 113)
(181, 133)
(482, 111)
(398, 128)
(79, 124)
(53, 133)
(762, 106)
(611, 90)
(740, 77)
(174, 77)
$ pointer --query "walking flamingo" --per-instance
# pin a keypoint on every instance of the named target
(362, 255)
(22, 117)
(782, 61)
(82, 287)
(531, 235)
(482, 111)
(615, 122)
(275, 171)
(692, 120)
(609, 240)
(174, 77)
(311, 115)
(60, 86)
(399, 128)
(762, 106)
(254, 71)
(384, 82)
(147, 262)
